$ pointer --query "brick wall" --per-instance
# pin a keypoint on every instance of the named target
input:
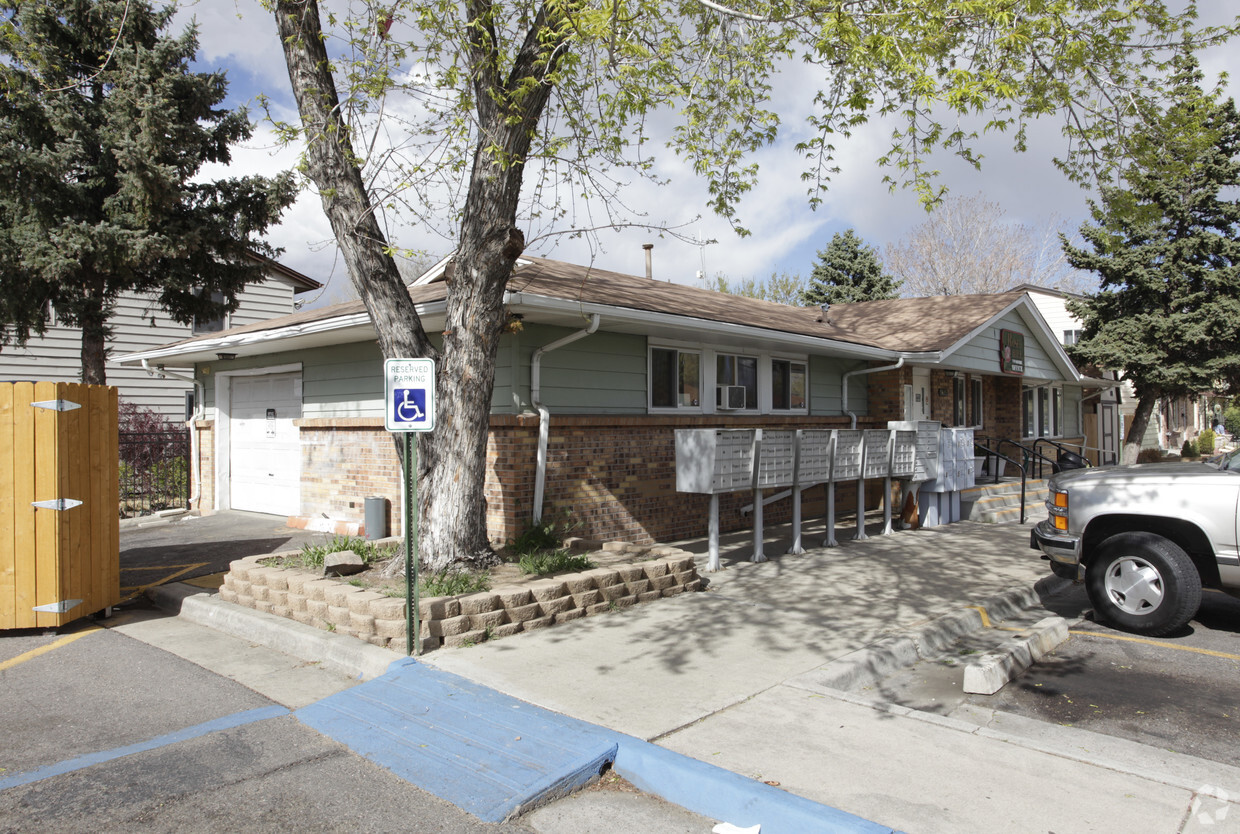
(345, 461)
(205, 436)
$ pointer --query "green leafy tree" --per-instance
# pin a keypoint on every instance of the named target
(780, 288)
(516, 111)
(1166, 244)
(103, 129)
(848, 271)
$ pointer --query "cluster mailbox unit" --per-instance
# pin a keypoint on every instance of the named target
(715, 461)
(939, 497)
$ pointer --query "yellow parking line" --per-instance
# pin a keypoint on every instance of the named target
(33, 653)
(139, 589)
(1127, 639)
(985, 617)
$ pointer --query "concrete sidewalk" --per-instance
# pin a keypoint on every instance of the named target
(742, 677)
(731, 676)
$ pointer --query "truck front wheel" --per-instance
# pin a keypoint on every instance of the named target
(1143, 583)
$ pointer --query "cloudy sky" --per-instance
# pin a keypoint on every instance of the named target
(238, 36)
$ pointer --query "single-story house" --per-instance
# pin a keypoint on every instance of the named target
(293, 407)
(139, 324)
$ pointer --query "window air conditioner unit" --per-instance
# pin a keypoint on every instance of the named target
(729, 397)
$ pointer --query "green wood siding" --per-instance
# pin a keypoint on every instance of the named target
(982, 353)
(1071, 411)
(826, 374)
(603, 373)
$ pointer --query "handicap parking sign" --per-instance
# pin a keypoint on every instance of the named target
(409, 394)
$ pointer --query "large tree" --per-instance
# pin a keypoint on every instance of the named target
(848, 271)
(568, 94)
(1166, 244)
(966, 246)
(103, 129)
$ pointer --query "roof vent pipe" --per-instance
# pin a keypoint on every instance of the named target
(649, 260)
(544, 416)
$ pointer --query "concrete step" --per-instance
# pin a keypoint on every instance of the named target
(994, 503)
(1006, 514)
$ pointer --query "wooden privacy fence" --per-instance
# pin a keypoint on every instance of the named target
(59, 498)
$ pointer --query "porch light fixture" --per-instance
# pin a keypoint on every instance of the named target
(225, 357)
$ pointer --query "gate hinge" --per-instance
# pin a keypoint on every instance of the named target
(58, 607)
(56, 405)
(57, 504)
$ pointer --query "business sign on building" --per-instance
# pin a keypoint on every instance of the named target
(1012, 352)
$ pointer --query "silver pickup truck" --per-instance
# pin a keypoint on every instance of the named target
(1145, 539)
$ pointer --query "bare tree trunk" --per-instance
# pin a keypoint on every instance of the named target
(1140, 420)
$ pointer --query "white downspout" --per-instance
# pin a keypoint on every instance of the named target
(844, 393)
(199, 404)
(544, 416)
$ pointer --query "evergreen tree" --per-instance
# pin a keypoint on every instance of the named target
(1165, 243)
(848, 271)
(103, 129)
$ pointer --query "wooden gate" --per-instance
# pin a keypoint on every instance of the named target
(59, 500)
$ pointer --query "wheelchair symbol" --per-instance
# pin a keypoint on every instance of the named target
(409, 405)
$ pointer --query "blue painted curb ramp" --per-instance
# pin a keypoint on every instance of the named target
(483, 751)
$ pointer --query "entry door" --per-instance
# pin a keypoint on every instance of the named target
(264, 446)
(917, 396)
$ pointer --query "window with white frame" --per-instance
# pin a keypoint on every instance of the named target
(214, 325)
(736, 371)
(975, 404)
(675, 378)
(788, 385)
(1042, 411)
(1071, 337)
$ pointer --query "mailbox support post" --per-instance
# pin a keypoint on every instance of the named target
(712, 562)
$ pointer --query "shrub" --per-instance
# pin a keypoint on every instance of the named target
(1150, 456)
(450, 583)
(311, 555)
(1189, 449)
(555, 561)
(1205, 442)
(545, 535)
(1231, 421)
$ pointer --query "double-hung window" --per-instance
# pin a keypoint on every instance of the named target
(788, 385)
(975, 404)
(675, 378)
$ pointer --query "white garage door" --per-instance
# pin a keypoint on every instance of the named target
(264, 447)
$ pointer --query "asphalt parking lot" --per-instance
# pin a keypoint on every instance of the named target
(1175, 693)
(182, 547)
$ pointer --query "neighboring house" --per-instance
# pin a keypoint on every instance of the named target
(1106, 413)
(294, 406)
(139, 324)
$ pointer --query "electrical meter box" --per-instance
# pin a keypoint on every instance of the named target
(714, 460)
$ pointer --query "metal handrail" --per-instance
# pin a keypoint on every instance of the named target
(1066, 448)
(1023, 474)
(1027, 454)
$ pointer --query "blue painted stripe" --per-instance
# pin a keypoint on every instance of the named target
(237, 719)
(720, 794)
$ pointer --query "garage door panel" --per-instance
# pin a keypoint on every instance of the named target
(265, 445)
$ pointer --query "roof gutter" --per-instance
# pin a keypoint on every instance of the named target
(544, 415)
(199, 402)
(844, 385)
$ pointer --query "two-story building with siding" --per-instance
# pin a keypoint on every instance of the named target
(294, 406)
(140, 324)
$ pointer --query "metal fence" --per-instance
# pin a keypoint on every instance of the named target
(155, 471)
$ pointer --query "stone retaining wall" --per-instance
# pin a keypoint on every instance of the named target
(335, 605)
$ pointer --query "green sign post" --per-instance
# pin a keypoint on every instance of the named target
(409, 406)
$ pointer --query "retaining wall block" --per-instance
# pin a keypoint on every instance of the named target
(599, 608)
(277, 597)
(262, 605)
(297, 580)
(537, 622)
(569, 616)
(630, 573)
(277, 579)
(361, 623)
(259, 592)
(604, 576)
(579, 583)
(649, 596)
(514, 597)
(479, 603)
(245, 600)
(228, 595)
(361, 602)
(338, 614)
(614, 592)
(258, 574)
(681, 564)
(389, 608)
(674, 590)
(240, 569)
(317, 589)
(638, 586)
(614, 547)
(338, 595)
(624, 601)
(450, 626)
(468, 638)
(437, 608)
(525, 613)
(391, 629)
(662, 582)
(654, 569)
(557, 606)
(588, 598)
(508, 629)
(547, 589)
(685, 577)
(488, 619)
(281, 611)
(305, 618)
(317, 608)
(242, 587)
